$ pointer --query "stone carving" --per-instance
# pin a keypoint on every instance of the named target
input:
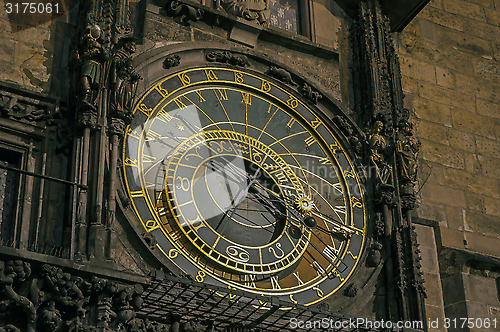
(351, 290)
(377, 144)
(309, 93)
(407, 148)
(280, 74)
(53, 301)
(375, 255)
(91, 57)
(250, 10)
(171, 61)
(228, 57)
(185, 12)
(124, 79)
(17, 109)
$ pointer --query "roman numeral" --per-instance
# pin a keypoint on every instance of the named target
(274, 283)
(221, 94)
(246, 98)
(309, 141)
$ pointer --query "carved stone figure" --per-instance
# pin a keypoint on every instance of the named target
(407, 148)
(228, 57)
(91, 56)
(309, 93)
(124, 78)
(251, 10)
(50, 318)
(377, 143)
(171, 61)
(280, 74)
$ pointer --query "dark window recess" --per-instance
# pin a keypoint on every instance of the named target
(9, 190)
(285, 15)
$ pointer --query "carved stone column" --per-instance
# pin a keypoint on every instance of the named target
(391, 153)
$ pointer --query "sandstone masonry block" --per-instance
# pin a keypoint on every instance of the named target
(469, 43)
(473, 183)
(443, 194)
(492, 206)
(474, 202)
(481, 223)
(442, 154)
(432, 131)
(487, 147)
(445, 77)
(490, 166)
(447, 97)
(465, 8)
(418, 70)
(487, 108)
(442, 17)
(473, 123)
(432, 111)
(461, 140)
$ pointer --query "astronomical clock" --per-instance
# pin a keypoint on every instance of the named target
(245, 182)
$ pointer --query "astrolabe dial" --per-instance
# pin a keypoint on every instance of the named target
(244, 185)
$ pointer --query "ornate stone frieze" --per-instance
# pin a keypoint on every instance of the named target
(228, 57)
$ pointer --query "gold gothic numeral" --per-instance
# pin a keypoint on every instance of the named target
(266, 86)
(296, 274)
(161, 90)
(211, 75)
(185, 80)
(356, 203)
(145, 110)
(315, 123)
(238, 77)
(132, 133)
(290, 123)
(292, 102)
(318, 290)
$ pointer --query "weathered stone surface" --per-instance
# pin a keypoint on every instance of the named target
(433, 132)
(492, 206)
(468, 43)
(442, 154)
(490, 166)
(474, 202)
(461, 140)
(444, 195)
(470, 182)
(482, 223)
(477, 288)
(487, 108)
(472, 123)
(446, 96)
(465, 8)
(418, 70)
(487, 146)
(431, 111)
(483, 244)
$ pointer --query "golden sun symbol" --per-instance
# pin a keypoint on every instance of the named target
(305, 204)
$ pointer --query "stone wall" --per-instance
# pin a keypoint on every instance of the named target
(450, 64)
(35, 47)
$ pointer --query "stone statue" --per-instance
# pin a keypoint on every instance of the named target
(91, 57)
(251, 10)
(124, 78)
(377, 143)
(407, 148)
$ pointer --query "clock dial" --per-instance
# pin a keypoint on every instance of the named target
(244, 185)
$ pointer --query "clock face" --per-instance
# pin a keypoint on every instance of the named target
(243, 185)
